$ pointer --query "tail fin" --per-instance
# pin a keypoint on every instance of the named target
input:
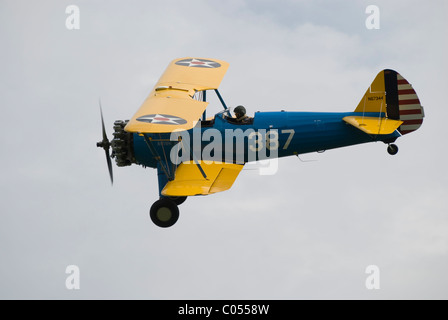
(392, 94)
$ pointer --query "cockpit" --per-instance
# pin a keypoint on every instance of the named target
(232, 120)
(224, 115)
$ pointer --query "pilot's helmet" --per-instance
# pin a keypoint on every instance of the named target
(240, 111)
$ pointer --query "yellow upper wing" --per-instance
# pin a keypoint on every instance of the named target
(170, 105)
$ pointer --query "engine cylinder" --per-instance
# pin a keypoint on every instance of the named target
(122, 145)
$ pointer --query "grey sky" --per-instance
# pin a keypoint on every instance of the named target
(309, 231)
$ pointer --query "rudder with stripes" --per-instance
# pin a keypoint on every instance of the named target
(410, 109)
(394, 95)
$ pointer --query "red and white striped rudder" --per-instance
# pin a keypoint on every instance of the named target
(410, 109)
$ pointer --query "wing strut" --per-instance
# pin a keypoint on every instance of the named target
(164, 168)
(222, 102)
(204, 98)
(198, 164)
(157, 156)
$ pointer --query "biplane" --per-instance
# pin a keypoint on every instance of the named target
(199, 155)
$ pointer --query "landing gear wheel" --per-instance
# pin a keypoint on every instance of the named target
(164, 213)
(392, 149)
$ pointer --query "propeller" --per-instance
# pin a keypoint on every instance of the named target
(105, 144)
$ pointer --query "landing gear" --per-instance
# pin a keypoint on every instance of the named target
(392, 149)
(164, 213)
(178, 200)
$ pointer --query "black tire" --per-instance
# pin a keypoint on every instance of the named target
(392, 149)
(164, 213)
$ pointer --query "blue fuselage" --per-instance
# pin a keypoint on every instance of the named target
(270, 134)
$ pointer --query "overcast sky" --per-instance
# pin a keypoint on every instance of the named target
(307, 232)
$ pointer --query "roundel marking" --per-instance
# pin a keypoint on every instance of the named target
(198, 63)
(162, 119)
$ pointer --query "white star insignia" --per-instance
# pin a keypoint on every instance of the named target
(198, 63)
(161, 119)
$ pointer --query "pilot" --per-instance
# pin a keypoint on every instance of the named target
(240, 114)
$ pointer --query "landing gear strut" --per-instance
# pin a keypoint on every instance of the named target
(178, 200)
(392, 149)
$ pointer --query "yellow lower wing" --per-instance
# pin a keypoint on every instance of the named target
(189, 180)
(372, 125)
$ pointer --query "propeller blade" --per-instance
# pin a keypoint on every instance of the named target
(109, 165)
(105, 144)
(102, 124)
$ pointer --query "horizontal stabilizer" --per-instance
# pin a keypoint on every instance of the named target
(189, 180)
(373, 125)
